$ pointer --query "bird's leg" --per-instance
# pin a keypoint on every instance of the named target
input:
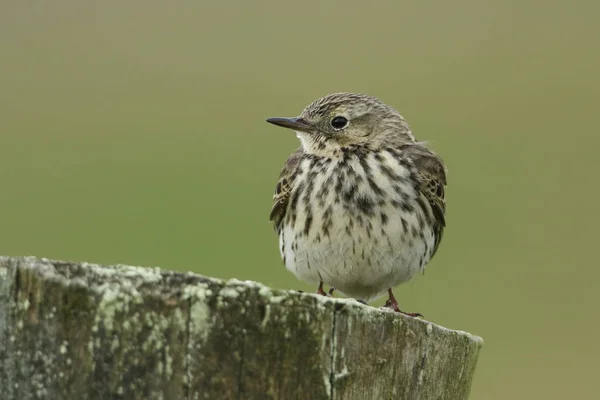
(322, 292)
(393, 304)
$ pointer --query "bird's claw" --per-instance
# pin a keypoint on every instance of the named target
(393, 304)
(323, 293)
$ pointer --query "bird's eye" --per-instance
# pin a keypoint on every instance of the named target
(339, 123)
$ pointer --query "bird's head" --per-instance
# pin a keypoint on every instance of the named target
(347, 119)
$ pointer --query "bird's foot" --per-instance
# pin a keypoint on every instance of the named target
(323, 293)
(393, 304)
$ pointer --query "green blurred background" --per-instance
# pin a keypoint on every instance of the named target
(133, 132)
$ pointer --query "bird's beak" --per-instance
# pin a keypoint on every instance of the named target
(297, 124)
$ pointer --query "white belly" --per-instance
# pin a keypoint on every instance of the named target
(361, 256)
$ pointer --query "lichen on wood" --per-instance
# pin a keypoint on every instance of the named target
(80, 330)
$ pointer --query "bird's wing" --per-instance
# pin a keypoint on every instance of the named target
(432, 180)
(284, 188)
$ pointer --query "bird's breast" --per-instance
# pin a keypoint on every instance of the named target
(354, 223)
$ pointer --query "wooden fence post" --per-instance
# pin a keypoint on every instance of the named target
(84, 331)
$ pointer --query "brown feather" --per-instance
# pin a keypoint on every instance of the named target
(284, 187)
(432, 180)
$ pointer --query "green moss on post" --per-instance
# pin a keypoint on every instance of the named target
(78, 330)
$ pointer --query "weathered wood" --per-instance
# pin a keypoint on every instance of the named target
(84, 331)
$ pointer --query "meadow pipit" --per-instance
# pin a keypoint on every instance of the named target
(360, 205)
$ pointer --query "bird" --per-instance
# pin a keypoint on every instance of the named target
(360, 206)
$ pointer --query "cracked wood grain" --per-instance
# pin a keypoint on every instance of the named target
(85, 331)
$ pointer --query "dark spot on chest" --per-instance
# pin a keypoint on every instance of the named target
(327, 222)
(384, 218)
(365, 205)
(349, 193)
(404, 225)
(414, 231)
(308, 222)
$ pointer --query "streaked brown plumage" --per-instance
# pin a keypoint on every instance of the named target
(360, 206)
